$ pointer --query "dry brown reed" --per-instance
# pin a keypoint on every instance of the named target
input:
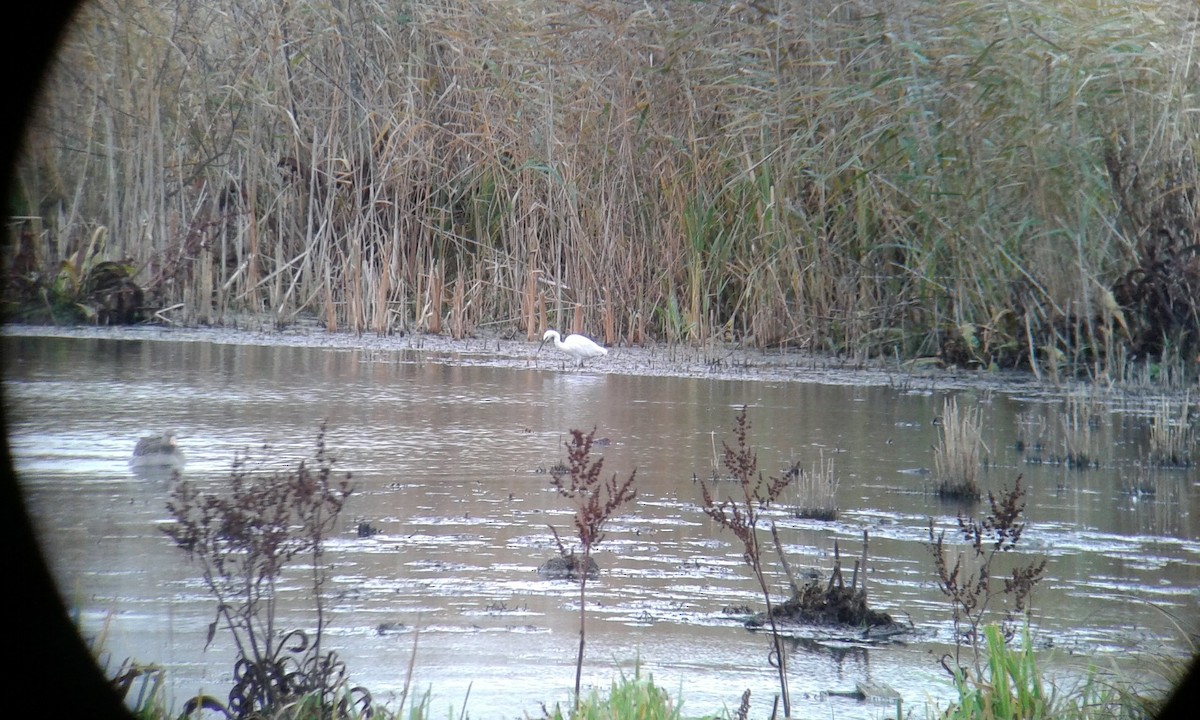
(956, 457)
(926, 180)
(1080, 438)
(816, 492)
(1174, 440)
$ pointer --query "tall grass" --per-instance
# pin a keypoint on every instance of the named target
(1013, 685)
(1174, 438)
(816, 492)
(932, 179)
(1081, 440)
(628, 697)
(956, 456)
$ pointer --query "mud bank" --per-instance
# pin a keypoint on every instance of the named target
(714, 360)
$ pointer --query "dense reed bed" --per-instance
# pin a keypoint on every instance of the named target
(1008, 183)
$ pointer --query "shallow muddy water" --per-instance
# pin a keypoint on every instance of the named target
(449, 455)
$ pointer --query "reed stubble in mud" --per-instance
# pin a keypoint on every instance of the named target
(243, 539)
(595, 501)
(938, 189)
(740, 514)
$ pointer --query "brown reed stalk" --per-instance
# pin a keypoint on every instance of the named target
(543, 315)
(608, 320)
(458, 325)
(577, 319)
(433, 318)
(530, 305)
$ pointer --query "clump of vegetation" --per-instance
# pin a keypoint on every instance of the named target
(740, 515)
(87, 286)
(568, 565)
(1011, 685)
(1159, 202)
(595, 501)
(972, 580)
(138, 685)
(815, 492)
(148, 701)
(1174, 441)
(1079, 440)
(243, 539)
(1031, 435)
(629, 697)
(1071, 434)
(956, 457)
(1142, 484)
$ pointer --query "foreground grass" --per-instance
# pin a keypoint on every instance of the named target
(629, 697)
(1012, 687)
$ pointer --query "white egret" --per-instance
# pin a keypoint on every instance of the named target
(157, 451)
(577, 346)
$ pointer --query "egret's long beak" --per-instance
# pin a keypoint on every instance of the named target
(541, 344)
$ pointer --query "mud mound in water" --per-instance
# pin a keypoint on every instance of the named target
(833, 603)
(567, 567)
(830, 606)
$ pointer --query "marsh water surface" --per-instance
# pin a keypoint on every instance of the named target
(449, 457)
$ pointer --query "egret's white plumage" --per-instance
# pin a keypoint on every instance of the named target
(577, 346)
(157, 451)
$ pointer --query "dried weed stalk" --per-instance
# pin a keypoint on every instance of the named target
(596, 501)
(243, 539)
(970, 581)
(741, 515)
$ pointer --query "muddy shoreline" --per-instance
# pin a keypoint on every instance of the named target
(717, 361)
